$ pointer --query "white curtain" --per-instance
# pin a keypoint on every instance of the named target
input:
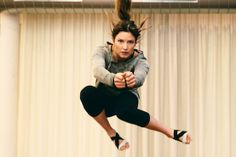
(9, 49)
(190, 85)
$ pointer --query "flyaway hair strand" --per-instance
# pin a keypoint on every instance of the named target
(123, 8)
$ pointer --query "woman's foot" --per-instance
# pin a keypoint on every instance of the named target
(182, 136)
(120, 143)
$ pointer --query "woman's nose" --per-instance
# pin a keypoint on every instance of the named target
(125, 46)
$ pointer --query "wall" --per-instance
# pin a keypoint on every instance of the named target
(9, 39)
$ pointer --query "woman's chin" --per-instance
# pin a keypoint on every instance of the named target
(124, 57)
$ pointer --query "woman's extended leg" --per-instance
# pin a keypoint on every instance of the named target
(126, 110)
(158, 126)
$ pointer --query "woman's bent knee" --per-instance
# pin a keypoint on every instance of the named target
(86, 92)
(89, 97)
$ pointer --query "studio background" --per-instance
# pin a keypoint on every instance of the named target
(45, 61)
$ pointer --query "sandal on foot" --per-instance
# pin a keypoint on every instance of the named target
(180, 136)
(116, 138)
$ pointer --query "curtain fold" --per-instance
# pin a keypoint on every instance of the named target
(190, 85)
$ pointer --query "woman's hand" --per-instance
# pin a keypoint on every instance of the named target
(126, 79)
(119, 80)
(129, 79)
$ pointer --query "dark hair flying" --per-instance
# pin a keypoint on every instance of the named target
(123, 8)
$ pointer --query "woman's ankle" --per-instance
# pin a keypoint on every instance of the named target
(170, 133)
(111, 132)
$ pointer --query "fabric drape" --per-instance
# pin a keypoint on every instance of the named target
(190, 85)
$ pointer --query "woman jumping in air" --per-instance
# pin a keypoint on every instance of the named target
(120, 70)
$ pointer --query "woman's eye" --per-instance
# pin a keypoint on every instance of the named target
(130, 42)
(120, 41)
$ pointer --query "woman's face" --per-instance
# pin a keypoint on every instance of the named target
(123, 46)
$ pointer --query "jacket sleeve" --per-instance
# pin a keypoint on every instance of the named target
(99, 67)
(141, 71)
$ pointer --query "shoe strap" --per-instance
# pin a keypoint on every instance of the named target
(177, 135)
(116, 138)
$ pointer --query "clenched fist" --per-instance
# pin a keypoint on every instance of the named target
(129, 79)
(125, 79)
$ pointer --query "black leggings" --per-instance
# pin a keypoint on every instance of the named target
(124, 106)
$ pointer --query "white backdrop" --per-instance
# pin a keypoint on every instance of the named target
(9, 46)
(190, 85)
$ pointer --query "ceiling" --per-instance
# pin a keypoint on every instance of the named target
(219, 4)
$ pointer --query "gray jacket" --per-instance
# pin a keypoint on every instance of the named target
(105, 68)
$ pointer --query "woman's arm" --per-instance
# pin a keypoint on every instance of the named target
(99, 70)
(140, 72)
